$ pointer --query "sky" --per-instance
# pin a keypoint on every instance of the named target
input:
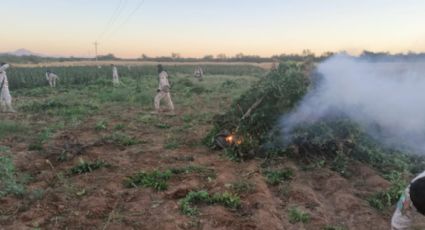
(194, 28)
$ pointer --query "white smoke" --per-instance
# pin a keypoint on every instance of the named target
(387, 95)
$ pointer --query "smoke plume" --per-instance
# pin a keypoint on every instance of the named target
(386, 98)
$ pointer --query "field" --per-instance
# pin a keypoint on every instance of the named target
(88, 155)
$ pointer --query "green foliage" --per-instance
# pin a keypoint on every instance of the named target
(9, 184)
(120, 138)
(162, 126)
(226, 199)
(65, 108)
(147, 119)
(385, 199)
(42, 137)
(274, 95)
(8, 128)
(87, 167)
(119, 127)
(101, 125)
(85, 75)
(296, 216)
(194, 169)
(340, 164)
(191, 199)
(156, 180)
(275, 177)
(172, 143)
(229, 84)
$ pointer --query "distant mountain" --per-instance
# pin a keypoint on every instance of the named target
(23, 53)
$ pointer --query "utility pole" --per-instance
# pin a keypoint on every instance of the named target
(95, 52)
(95, 48)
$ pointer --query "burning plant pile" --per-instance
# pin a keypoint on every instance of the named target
(328, 116)
(246, 126)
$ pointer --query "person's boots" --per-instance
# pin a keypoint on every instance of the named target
(10, 109)
(3, 107)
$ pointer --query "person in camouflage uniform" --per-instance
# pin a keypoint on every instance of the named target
(163, 91)
(5, 98)
(51, 78)
(199, 73)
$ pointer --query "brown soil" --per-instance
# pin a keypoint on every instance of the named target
(98, 200)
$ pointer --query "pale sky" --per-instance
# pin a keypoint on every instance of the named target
(200, 27)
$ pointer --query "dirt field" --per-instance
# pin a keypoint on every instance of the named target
(99, 200)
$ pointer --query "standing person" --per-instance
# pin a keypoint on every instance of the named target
(163, 91)
(115, 76)
(410, 205)
(51, 78)
(199, 73)
(275, 65)
(5, 98)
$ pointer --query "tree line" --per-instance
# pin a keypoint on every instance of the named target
(306, 55)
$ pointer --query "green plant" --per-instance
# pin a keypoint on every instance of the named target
(340, 163)
(172, 143)
(254, 114)
(156, 179)
(226, 199)
(120, 138)
(8, 181)
(274, 177)
(101, 125)
(119, 127)
(87, 167)
(191, 199)
(43, 137)
(148, 119)
(385, 199)
(206, 172)
(10, 128)
(162, 126)
(295, 216)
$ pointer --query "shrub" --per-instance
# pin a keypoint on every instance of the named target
(8, 181)
(226, 199)
(120, 138)
(295, 216)
(87, 167)
(156, 180)
(275, 177)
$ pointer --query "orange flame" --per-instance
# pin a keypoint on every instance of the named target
(232, 139)
(229, 139)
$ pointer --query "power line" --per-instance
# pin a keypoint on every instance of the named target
(128, 17)
(115, 15)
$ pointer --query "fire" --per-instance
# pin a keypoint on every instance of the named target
(232, 139)
(229, 139)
